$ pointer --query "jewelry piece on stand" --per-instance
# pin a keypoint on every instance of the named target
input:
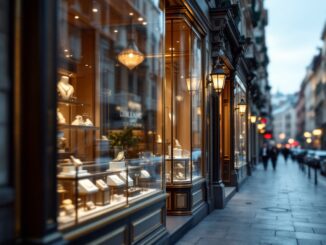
(77, 162)
(120, 157)
(88, 122)
(65, 89)
(61, 119)
(78, 121)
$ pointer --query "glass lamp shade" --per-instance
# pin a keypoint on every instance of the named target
(130, 56)
(242, 106)
(193, 84)
(253, 119)
(218, 77)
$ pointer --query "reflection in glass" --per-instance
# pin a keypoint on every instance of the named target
(109, 112)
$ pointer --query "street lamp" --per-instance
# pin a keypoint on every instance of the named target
(253, 119)
(217, 77)
(242, 106)
(282, 136)
(317, 132)
(307, 134)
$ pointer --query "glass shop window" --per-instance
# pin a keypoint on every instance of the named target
(240, 124)
(4, 93)
(109, 109)
(184, 103)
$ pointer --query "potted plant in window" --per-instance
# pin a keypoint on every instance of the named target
(123, 140)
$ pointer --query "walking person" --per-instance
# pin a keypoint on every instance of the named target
(285, 152)
(273, 154)
(264, 154)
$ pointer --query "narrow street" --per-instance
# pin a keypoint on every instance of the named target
(272, 207)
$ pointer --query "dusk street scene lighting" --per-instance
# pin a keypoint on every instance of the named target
(163, 122)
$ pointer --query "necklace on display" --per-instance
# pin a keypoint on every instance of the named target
(66, 90)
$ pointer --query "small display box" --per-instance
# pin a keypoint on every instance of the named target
(103, 195)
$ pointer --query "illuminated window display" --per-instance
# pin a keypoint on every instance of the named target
(183, 107)
(109, 110)
(240, 124)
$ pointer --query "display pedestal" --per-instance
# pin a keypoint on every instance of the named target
(185, 199)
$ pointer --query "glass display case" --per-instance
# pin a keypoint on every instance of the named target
(109, 106)
(240, 125)
(183, 114)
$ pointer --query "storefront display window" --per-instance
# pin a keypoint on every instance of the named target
(240, 124)
(183, 103)
(4, 92)
(110, 106)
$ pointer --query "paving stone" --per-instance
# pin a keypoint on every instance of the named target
(308, 242)
(320, 230)
(304, 229)
(272, 207)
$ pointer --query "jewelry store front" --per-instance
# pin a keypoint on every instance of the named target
(117, 141)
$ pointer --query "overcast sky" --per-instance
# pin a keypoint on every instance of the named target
(293, 35)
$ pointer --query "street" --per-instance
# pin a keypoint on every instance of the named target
(272, 207)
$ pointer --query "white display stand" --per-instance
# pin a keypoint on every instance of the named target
(144, 174)
(114, 180)
(123, 176)
(87, 187)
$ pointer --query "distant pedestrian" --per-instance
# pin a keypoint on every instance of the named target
(285, 152)
(264, 154)
(273, 152)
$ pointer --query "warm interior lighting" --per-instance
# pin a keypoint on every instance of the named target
(130, 56)
(253, 119)
(317, 132)
(308, 140)
(242, 106)
(307, 134)
(192, 84)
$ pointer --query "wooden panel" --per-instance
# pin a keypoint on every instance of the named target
(197, 197)
(180, 200)
(117, 236)
(168, 201)
(145, 225)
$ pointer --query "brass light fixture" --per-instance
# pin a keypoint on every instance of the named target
(131, 56)
(242, 106)
(217, 77)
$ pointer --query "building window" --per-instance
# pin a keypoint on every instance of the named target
(240, 126)
(110, 107)
(184, 103)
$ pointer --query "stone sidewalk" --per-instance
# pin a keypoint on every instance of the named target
(273, 207)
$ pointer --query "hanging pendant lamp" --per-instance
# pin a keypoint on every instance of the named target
(131, 56)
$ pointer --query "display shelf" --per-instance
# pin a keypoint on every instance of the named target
(68, 126)
(71, 102)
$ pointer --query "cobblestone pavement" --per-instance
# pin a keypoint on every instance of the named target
(272, 207)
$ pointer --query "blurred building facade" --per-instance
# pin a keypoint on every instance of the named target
(311, 107)
(162, 105)
(284, 117)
